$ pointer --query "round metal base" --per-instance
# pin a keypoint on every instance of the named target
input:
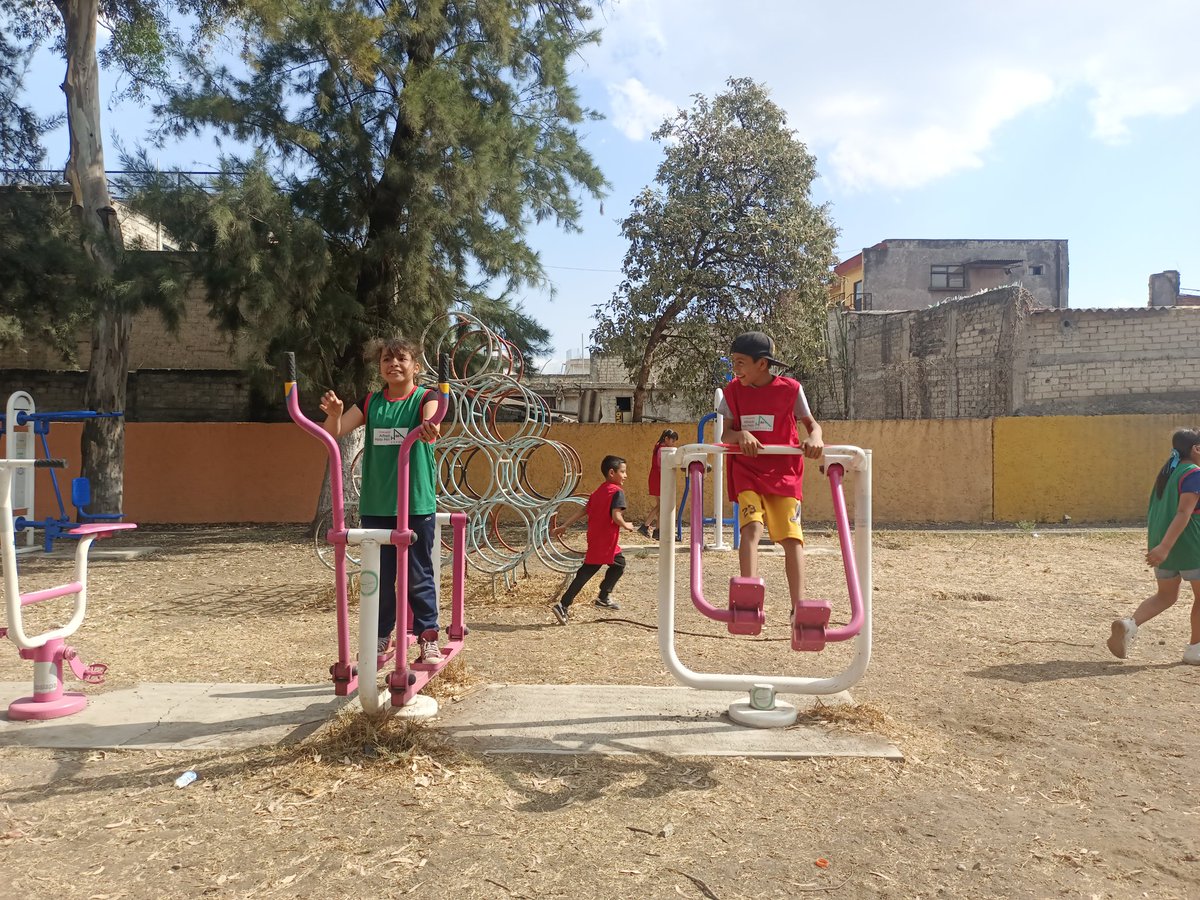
(781, 715)
(26, 708)
(419, 707)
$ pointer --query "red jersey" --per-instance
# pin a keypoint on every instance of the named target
(769, 413)
(655, 484)
(602, 531)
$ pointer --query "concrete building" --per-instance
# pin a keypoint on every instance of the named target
(914, 274)
(1165, 291)
(999, 353)
(594, 389)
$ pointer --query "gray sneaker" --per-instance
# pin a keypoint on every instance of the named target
(560, 613)
(1120, 642)
(607, 603)
(1191, 655)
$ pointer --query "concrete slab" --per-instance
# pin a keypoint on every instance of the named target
(178, 717)
(621, 719)
(498, 718)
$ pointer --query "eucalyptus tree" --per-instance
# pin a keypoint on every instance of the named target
(727, 237)
(110, 287)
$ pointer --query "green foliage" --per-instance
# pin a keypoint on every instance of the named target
(405, 149)
(52, 283)
(726, 240)
(20, 128)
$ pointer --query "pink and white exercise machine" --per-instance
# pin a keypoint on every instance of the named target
(406, 680)
(49, 649)
(810, 628)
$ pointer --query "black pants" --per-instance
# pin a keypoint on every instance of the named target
(616, 569)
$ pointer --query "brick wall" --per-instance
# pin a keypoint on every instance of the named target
(197, 344)
(995, 355)
(160, 395)
(1096, 361)
(949, 361)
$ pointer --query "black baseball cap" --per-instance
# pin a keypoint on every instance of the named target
(757, 346)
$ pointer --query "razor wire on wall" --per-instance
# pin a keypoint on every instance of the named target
(495, 428)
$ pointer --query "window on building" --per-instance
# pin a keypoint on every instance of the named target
(947, 278)
(625, 404)
(1037, 270)
(858, 295)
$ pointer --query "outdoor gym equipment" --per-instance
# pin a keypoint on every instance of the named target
(484, 457)
(405, 682)
(49, 649)
(496, 427)
(20, 423)
(718, 519)
(810, 629)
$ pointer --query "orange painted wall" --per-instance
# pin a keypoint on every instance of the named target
(206, 472)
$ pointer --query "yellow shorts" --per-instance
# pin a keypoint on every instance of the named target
(781, 514)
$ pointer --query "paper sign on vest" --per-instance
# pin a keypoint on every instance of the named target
(390, 437)
(758, 422)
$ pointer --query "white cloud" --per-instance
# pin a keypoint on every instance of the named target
(897, 97)
(636, 112)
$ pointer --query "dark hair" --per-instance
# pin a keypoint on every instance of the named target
(393, 346)
(609, 463)
(1182, 442)
(668, 434)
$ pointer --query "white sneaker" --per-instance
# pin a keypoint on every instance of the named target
(430, 652)
(1191, 655)
(1120, 642)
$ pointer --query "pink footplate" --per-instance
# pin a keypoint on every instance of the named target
(746, 596)
(101, 529)
(808, 624)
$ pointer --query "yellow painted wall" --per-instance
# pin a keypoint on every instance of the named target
(1092, 468)
(915, 478)
(843, 287)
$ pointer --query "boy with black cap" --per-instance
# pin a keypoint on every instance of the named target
(763, 409)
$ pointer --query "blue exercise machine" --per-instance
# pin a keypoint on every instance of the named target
(718, 499)
(19, 423)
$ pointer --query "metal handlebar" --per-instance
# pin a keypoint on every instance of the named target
(34, 463)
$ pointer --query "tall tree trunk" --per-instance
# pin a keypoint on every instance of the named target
(102, 447)
(657, 333)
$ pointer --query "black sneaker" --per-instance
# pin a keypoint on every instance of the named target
(607, 603)
(560, 613)
(644, 530)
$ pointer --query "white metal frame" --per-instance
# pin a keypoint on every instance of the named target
(854, 460)
(19, 444)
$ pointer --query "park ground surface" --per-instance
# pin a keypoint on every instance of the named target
(1036, 765)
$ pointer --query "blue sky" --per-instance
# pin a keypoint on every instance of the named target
(1065, 120)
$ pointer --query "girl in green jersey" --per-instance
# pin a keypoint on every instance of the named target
(1173, 542)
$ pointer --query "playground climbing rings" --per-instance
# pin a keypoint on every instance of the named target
(494, 460)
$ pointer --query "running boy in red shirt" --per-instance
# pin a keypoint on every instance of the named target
(759, 409)
(605, 522)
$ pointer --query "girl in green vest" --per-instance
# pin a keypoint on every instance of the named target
(388, 416)
(1173, 539)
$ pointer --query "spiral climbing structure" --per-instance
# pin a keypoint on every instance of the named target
(495, 462)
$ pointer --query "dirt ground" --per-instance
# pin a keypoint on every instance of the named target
(1036, 765)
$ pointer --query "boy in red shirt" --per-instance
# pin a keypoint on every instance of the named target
(605, 523)
(762, 409)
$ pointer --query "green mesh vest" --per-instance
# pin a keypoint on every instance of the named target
(388, 422)
(1186, 552)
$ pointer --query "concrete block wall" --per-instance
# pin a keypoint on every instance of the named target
(1109, 361)
(949, 361)
(197, 344)
(155, 395)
